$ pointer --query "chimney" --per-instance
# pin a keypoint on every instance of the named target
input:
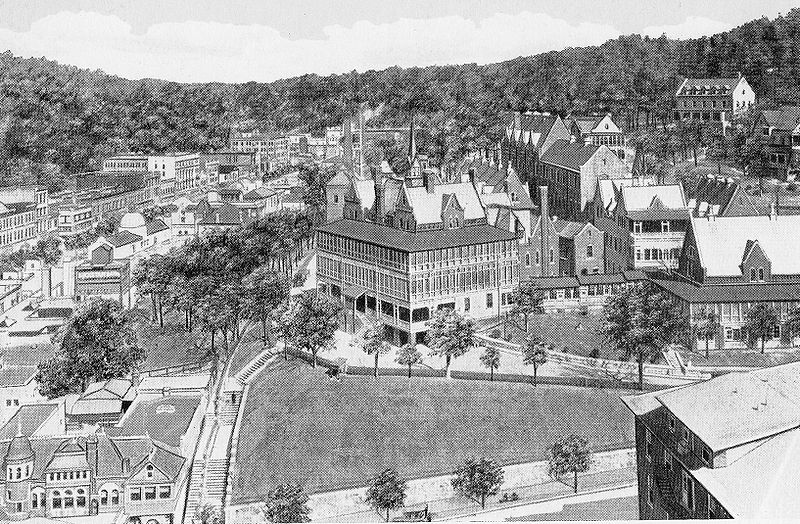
(126, 465)
(91, 452)
(380, 210)
(544, 230)
(428, 181)
(472, 174)
(347, 143)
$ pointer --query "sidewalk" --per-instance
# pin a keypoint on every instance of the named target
(459, 508)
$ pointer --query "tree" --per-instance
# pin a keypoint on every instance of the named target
(309, 323)
(490, 358)
(640, 321)
(209, 514)
(569, 455)
(372, 342)
(408, 355)
(527, 299)
(386, 491)
(535, 353)
(97, 342)
(707, 326)
(761, 323)
(478, 479)
(215, 317)
(791, 326)
(450, 335)
(264, 291)
(153, 276)
(48, 251)
(286, 503)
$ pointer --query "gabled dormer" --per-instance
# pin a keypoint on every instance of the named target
(756, 265)
(452, 212)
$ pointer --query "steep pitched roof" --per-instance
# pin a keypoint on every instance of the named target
(226, 214)
(570, 155)
(427, 205)
(777, 237)
(568, 229)
(123, 238)
(156, 225)
(786, 118)
(28, 418)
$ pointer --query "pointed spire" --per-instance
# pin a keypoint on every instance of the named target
(412, 142)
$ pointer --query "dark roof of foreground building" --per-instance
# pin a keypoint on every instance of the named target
(570, 155)
(410, 241)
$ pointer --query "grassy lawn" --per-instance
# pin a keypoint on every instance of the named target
(249, 347)
(741, 357)
(300, 426)
(568, 332)
(170, 345)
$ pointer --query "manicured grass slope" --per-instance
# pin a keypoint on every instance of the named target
(299, 426)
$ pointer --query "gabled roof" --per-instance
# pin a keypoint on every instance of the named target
(123, 238)
(427, 205)
(586, 124)
(708, 86)
(13, 376)
(645, 197)
(777, 237)
(786, 118)
(569, 155)
(568, 229)
(156, 225)
(226, 214)
(28, 418)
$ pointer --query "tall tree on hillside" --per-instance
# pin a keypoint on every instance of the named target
(309, 323)
(372, 341)
(707, 326)
(527, 299)
(490, 358)
(97, 342)
(534, 353)
(264, 291)
(641, 321)
(408, 355)
(450, 335)
(569, 455)
(478, 479)
(152, 276)
(761, 324)
(286, 503)
(386, 491)
(215, 318)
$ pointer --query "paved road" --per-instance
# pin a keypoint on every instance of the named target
(619, 504)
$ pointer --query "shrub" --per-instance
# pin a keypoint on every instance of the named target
(495, 333)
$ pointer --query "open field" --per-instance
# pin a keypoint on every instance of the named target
(567, 332)
(300, 426)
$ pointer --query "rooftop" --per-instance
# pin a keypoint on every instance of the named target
(409, 241)
(570, 155)
(777, 237)
(28, 418)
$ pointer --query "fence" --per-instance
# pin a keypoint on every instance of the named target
(192, 367)
(610, 366)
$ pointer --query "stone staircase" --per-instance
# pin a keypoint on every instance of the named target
(193, 501)
(256, 365)
(216, 480)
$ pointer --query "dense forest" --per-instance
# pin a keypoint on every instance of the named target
(56, 120)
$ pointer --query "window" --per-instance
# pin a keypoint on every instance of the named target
(752, 274)
(149, 470)
(648, 444)
(81, 500)
(665, 226)
(489, 300)
(649, 491)
(466, 304)
(589, 251)
(56, 503)
(551, 255)
(136, 494)
(687, 490)
(761, 274)
(706, 455)
(164, 492)
(69, 500)
(527, 260)
(667, 460)
(150, 493)
(637, 227)
(671, 422)
(103, 497)
(335, 199)
(114, 497)
(537, 258)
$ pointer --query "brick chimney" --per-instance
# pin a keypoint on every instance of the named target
(91, 452)
(380, 206)
(429, 182)
(544, 230)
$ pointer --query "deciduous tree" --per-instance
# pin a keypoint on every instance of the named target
(490, 358)
(761, 323)
(309, 323)
(569, 455)
(450, 335)
(286, 503)
(478, 479)
(386, 491)
(408, 355)
(535, 353)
